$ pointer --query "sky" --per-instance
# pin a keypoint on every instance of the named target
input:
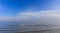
(29, 10)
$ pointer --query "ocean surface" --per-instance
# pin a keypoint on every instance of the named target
(28, 27)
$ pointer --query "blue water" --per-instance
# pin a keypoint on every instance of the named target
(8, 27)
(11, 27)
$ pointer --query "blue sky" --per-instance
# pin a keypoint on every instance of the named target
(12, 7)
(28, 9)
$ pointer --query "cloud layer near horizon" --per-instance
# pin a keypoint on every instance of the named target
(38, 16)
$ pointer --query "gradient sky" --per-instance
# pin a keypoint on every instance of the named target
(12, 7)
(28, 9)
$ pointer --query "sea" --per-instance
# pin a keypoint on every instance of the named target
(28, 27)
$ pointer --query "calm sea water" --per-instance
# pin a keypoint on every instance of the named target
(13, 27)
(8, 27)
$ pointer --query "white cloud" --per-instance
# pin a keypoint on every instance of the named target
(43, 17)
(35, 16)
(38, 15)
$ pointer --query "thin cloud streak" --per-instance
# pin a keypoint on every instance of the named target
(36, 16)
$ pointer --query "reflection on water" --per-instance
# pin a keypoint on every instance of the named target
(15, 27)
